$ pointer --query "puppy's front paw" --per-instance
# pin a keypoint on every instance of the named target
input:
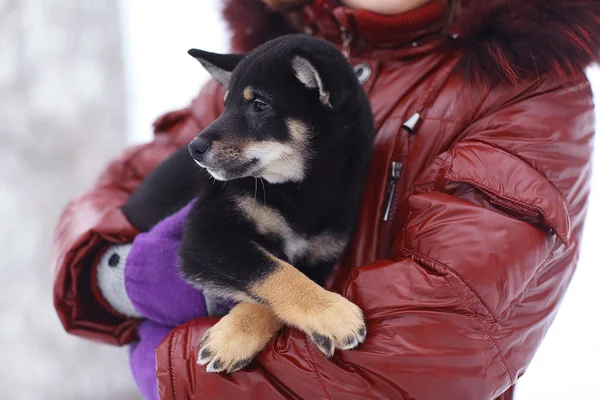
(234, 341)
(339, 325)
(331, 320)
(227, 349)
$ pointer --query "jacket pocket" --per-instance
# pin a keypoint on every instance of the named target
(491, 220)
(510, 185)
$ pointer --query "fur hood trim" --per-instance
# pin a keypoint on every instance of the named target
(497, 39)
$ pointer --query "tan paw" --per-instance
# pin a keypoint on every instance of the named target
(234, 341)
(331, 320)
(338, 325)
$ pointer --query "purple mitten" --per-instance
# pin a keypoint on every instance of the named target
(141, 280)
(152, 279)
(142, 357)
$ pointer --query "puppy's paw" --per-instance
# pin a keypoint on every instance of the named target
(331, 320)
(339, 325)
(224, 348)
(234, 341)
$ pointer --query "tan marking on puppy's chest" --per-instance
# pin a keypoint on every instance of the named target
(267, 220)
(325, 246)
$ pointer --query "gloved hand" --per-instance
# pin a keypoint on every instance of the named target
(142, 359)
(142, 279)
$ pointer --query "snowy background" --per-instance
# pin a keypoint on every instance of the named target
(81, 79)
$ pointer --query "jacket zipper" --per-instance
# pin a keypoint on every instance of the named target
(346, 42)
(393, 177)
(345, 35)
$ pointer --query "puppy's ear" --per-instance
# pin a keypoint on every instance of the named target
(219, 66)
(313, 74)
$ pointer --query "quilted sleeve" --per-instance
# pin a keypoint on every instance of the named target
(481, 259)
(95, 220)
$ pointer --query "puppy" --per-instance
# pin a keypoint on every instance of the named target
(291, 148)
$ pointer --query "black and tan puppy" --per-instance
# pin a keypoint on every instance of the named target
(292, 147)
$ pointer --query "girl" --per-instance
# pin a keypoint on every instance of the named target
(470, 223)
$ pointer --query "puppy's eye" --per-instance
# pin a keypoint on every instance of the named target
(260, 106)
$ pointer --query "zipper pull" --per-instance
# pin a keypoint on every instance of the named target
(395, 171)
(346, 41)
(411, 124)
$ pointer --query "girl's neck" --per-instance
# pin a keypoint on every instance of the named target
(385, 7)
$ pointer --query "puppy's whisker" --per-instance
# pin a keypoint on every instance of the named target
(286, 159)
(255, 187)
(264, 191)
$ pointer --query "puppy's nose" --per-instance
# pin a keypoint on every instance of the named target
(198, 147)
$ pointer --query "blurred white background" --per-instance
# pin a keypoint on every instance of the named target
(118, 64)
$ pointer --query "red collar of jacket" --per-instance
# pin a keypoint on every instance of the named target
(496, 40)
(364, 30)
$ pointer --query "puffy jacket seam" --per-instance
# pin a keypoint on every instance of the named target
(526, 288)
(529, 93)
(163, 124)
(439, 266)
(278, 385)
(317, 371)
(444, 120)
(128, 168)
(479, 109)
(171, 369)
(483, 327)
(422, 258)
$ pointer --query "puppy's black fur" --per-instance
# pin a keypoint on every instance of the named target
(218, 243)
(288, 158)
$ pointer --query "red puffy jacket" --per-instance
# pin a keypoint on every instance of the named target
(459, 261)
